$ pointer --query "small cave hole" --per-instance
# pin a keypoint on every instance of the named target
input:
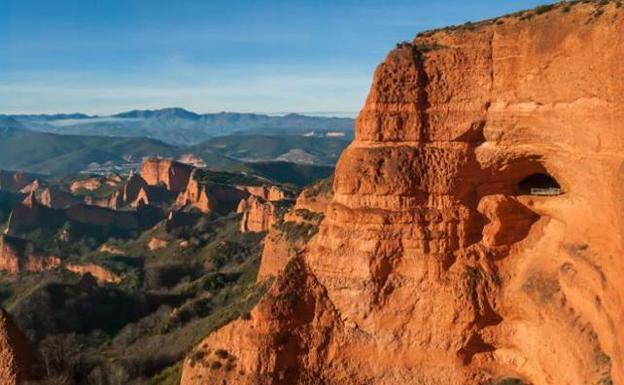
(539, 184)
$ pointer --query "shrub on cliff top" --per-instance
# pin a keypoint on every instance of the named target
(544, 8)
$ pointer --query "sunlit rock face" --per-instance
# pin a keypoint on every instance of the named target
(436, 263)
(173, 175)
(15, 354)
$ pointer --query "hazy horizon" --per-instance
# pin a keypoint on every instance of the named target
(273, 58)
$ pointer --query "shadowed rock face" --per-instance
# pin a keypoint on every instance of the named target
(15, 355)
(431, 265)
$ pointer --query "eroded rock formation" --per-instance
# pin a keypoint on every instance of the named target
(15, 354)
(258, 215)
(173, 175)
(16, 255)
(289, 237)
(100, 273)
(196, 195)
(57, 199)
(14, 181)
(269, 193)
(432, 266)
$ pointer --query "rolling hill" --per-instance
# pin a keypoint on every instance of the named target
(263, 148)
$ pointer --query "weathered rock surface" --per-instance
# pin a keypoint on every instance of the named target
(100, 273)
(57, 199)
(15, 354)
(132, 193)
(173, 175)
(89, 184)
(430, 266)
(157, 244)
(208, 197)
(258, 215)
(289, 237)
(14, 181)
(16, 256)
(269, 193)
(196, 195)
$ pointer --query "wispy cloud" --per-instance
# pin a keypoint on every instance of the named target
(266, 92)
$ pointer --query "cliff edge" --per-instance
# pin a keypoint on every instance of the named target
(475, 231)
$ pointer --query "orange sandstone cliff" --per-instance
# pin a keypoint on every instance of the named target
(15, 355)
(173, 175)
(290, 233)
(258, 215)
(438, 261)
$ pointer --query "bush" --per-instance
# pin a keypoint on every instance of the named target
(293, 231)
(544, 8)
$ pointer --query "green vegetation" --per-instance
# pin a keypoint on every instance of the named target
(311, 216)
(64, 154)
(263, 148)
(565, 6)
(544, 8)
(169, 376)
(141, 330)
(294, 232)
(207, 176)
(288, 173)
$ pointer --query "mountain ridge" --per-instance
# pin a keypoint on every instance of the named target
(179, 126)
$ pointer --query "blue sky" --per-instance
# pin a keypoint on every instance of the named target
(106, 56)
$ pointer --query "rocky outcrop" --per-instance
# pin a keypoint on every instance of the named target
(15, 355)
(316, 198)
(14, 181)
(173, 175)
(269, 192)
(57, 199)
(157, 244)
(289, 235)
(111, 249)
(16, 255)
(264, 207)
(89, 184)
(136, 192)
(192, 160)
(100, 273)
(132, 193)
(258, 215)
(31, 215)
(432, 266)
(33, 186)
(196, 195)
(208, 197)
(94, 183)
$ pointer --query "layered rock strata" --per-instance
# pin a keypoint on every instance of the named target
(432, 265)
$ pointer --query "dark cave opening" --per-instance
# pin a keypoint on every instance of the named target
(539, 184)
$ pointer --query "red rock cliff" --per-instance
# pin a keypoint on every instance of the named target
(434, 265)
(173, 175)
(14, 181)
(15, 354)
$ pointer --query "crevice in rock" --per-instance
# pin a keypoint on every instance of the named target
(423, 95)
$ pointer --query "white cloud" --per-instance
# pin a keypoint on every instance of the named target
(194, 88)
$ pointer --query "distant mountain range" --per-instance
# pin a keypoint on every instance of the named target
(181, 127)
(22, 148)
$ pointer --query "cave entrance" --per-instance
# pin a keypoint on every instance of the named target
(539, 184)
